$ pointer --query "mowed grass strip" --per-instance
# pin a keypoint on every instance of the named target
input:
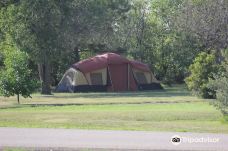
(177, 94)
(187, 117)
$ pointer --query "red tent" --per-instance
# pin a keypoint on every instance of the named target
(108, 72)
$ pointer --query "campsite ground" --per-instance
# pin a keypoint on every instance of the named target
(173, 109)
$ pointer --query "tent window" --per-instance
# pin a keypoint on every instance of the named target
(140, 76)
(96, 78)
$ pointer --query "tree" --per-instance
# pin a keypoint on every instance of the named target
(5, 3)
(220, 85)
(208, 20)
(202, 69)
(150, 35)
(15, 77)
(88, 29)
(51, 30)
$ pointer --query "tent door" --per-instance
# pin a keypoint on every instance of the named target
(119, 77)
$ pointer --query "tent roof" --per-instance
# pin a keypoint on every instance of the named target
(139, 65)
(103, 60)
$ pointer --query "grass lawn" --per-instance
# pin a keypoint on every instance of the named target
(171, 110)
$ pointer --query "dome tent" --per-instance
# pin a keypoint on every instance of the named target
(107, 72)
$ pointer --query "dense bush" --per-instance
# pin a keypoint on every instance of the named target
(220, 85)
(202, 69)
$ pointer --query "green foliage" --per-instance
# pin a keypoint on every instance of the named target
(220, 85)
(150, 36)
(49, 31)
(5, 3)
(16, 78)
(202, 69)
(175, 55)
(166, 34)
(205, 19)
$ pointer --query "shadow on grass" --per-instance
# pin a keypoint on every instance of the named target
(160, 93)
(83, 104)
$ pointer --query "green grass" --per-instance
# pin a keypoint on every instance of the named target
(170, 95)
(13, 149)
(51, 148)
(171, 110)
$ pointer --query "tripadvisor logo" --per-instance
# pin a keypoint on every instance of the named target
(176, 140)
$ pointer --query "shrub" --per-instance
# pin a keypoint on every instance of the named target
(220, 85)
(202, 69)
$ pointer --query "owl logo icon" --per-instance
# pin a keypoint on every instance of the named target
(176, 140)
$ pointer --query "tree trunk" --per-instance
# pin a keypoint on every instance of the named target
(45, 78)
(219, 57)
(18, 99)
(76, 54)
